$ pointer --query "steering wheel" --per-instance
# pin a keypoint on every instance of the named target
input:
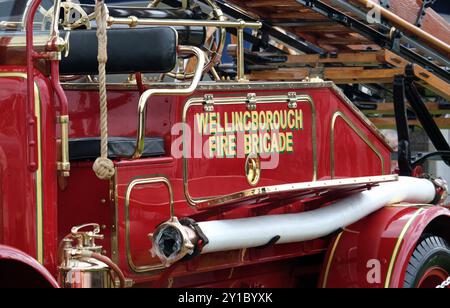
(213, 50)
(74, 16)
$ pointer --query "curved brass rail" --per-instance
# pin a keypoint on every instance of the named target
(142, 108)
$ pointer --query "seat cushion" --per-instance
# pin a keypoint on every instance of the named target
(145, 50)
(89, 148)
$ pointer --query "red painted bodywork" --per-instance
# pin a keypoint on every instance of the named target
(375, 238)
(18, 183)
(82, 198)
(9, 254)
(149, 203)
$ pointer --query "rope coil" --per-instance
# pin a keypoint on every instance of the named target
(103, 166)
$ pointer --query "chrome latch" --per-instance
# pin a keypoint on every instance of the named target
(208, 106)
(293, 100)
(251, 101)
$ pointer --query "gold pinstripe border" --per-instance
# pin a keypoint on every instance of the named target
(330, 260)
(151, 179)
(398, 245)
(359, 132)
(39, 197)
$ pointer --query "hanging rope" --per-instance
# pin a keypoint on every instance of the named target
(103, 166)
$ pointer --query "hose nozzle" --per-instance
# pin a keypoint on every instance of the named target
(173, 241)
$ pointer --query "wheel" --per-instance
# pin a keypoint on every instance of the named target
(429, 265)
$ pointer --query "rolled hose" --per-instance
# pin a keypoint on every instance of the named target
(172, 242)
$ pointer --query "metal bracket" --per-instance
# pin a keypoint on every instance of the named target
(209, 103)
(396, 36)
(385, 3)
(423, 11)
(129, 283)
(293, 100)
(424, 116)
(251, 101)
(401, 120)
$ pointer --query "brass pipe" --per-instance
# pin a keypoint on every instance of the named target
(407, 26)
(240, 53)
(10, 25)
(142, 107)
(55, 19)
(153, 4)
(132, 21)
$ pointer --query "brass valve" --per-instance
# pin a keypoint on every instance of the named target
(86, 238)
(84, 266)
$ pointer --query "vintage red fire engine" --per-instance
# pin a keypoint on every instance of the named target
(192, 178)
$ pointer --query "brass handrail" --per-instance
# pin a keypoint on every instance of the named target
(407, 26)
(133, 21)
(142, 108)
(239, 25)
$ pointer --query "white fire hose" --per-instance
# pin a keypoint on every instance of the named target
(173, 241)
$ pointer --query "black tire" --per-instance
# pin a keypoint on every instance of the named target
(431, 252)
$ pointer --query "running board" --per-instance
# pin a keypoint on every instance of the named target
(294, 191)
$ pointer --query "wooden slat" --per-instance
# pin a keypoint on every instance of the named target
(388, 109)
(427, 79)
(293, 14)
(341, 75)
(389, 123)
(271, 3)
(393, 59)
(432, 82)
(281, 74)
(372, 58)
(343, 41)
(361, 75)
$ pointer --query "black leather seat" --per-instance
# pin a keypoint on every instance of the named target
(81, 149)
(145, 50)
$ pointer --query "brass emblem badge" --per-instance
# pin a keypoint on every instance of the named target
(253, 169)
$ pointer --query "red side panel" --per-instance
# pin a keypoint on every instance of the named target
(331, 141)
(18, 184)
(27, 199)
(345, 140)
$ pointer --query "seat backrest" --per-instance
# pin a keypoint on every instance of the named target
(143, 12)
(145, 50)
(187, 35)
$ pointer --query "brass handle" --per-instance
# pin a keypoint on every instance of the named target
(64, 164)
(253, 169)
(86, 239)
(76, 230)
(87, 235)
